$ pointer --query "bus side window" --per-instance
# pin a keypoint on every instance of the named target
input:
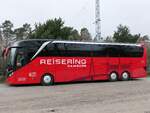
(61, 51)
(113, 51)
(78, 50)
(131, 51)
(136, 52)
(51, 50)
(124, 51)
(99, 50)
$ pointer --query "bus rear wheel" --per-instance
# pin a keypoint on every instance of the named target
(125, 76)
(113, 77)
(47, 80)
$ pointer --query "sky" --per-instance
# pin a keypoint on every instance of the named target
(80, 13)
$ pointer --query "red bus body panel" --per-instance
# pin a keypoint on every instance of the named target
(95, 68)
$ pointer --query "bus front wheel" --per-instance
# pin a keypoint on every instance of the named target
(125, 76)
(113, 77)
(47, 80)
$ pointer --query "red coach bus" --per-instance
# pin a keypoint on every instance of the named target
(48, 62)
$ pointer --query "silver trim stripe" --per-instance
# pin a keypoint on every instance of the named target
(73, 42)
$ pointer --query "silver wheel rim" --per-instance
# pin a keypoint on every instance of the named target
(125, 75)
(113, 76)
(47, 79)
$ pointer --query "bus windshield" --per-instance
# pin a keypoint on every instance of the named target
(9, 58)
(15, 58)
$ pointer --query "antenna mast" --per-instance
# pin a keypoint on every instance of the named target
(98, 22)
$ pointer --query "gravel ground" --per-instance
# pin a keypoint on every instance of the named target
(95, 97)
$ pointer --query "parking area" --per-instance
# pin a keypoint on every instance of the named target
(96, 97)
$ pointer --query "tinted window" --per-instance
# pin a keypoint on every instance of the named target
(113, 51)
(52, 50)
(131, 51)
(60, 50)
(31, 47)
(49, 50)
(100, 50)
(30, 52)
(78, 50)
(66, 50)
(136, 52)
(84, 50)
(105, 50)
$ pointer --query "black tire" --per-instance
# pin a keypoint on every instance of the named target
(125, 76)
(113, 77)
(47, 80)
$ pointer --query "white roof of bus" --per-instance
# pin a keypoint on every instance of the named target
(73, 42)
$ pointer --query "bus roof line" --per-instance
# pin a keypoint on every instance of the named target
(41, 48)
(74, 42)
